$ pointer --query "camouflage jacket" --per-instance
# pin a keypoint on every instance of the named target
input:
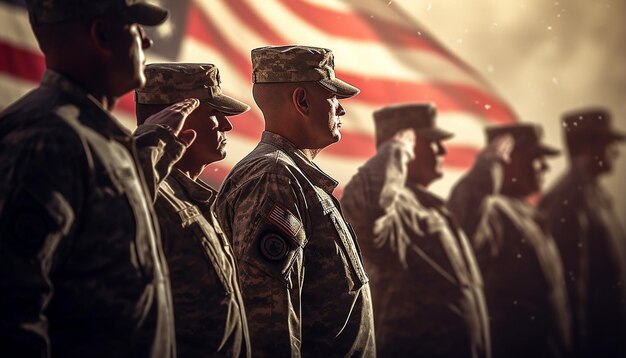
(208, 307)
(82, 271)
(593, 246)
(426, 287)
(304, 285)
(520, 263)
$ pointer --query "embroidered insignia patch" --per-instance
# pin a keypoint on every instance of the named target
(273, 247)
(284, 220)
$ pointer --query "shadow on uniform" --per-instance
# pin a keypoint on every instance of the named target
(426, 287)
(521, 266)
(589, 235)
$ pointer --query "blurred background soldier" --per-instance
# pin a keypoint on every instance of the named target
(81, 269)
(520, 263)
(208, 307)
(589, 235)
(426, 288)
(304, 285)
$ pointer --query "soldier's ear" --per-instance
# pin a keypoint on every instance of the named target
(100, 36)
(300, 100)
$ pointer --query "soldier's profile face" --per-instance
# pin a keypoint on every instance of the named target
(211, 126)
(524, 175)
(128, 42)
(325, 116)
(428, 163)
(603, 156)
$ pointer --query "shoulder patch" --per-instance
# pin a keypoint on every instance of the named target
(273, 247)
(284, 220)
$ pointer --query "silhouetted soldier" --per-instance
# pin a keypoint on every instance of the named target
(426, 287)
(208, 307)
(81, 269)
(304, 285)
(589, 235)
(520, 263)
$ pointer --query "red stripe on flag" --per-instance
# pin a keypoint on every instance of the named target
(21, 63)
(447, 96)
(362, 26)
(249, 125)
(355, 26)
(250, 17)
(380, 92)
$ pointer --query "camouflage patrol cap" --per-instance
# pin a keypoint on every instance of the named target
(527, 137)
(589, 124)
(419, 116)
(280, 64)
(48, 12)
(168, 83)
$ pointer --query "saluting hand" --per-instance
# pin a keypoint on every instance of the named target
(407, 137)
(500, 149)
(174, 118)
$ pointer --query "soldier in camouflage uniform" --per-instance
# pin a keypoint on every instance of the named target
(81, 268)
(519, 260)
(590, 236)
(208, 307)
(426, 287)
(304, 285)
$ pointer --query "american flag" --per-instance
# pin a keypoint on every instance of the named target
(378, 47)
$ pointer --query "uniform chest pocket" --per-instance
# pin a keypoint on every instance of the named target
(349, 244)
(210, 244)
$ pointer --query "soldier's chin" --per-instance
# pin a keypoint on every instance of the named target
(140, 77)
(336, 135)
(222, 152)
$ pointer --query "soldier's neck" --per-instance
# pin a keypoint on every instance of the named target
(88, 83)
(192, 171)
(311, 153)
(586, 168)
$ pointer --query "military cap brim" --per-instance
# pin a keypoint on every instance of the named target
(340, 88)
(227, 105)
(546, 150)
(527, 136)
(617, 136)
(146, 14)
(434, 134)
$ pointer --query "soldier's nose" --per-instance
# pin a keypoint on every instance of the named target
(340, 110)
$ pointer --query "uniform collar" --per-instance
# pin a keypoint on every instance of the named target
(425, 197)
(97, 117)
(312, 171)
(197, 191)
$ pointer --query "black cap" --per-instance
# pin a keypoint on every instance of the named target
(419, 116)
(527, 136)
(48, 12)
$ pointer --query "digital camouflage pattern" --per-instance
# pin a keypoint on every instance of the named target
(303, 281)
(81, 266)
(168, 83)
(426, 286)
(521, 266)
(284, 64)
(209, 309)
(46, 12)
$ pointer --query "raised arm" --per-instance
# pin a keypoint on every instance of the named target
(161, 141)
(467, 199)
(373, 189)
